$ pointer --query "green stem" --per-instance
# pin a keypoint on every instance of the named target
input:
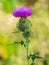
(27, 50)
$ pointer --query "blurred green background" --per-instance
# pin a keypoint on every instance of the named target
(40, 27)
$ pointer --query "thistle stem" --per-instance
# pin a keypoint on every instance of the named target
(27, 50)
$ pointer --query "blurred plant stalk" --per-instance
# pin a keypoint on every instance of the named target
(48, 4)
(30, 2)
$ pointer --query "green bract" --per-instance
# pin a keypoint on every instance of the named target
(24, 24)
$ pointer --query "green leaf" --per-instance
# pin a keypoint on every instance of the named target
(9, 5)
(35, 56)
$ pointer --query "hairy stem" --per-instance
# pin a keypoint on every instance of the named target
(27, 50)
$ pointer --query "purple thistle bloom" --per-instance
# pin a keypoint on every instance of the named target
(23, 12)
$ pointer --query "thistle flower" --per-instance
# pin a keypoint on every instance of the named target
(23, 12)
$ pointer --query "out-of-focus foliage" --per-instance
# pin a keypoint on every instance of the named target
(8, 5)
(21, 1)
(3, 40)
(3, 53)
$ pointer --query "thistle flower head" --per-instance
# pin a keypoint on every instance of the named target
(22, 12)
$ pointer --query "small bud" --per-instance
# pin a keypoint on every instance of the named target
(27, 34)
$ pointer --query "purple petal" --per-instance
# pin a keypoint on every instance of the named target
(23, 12)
